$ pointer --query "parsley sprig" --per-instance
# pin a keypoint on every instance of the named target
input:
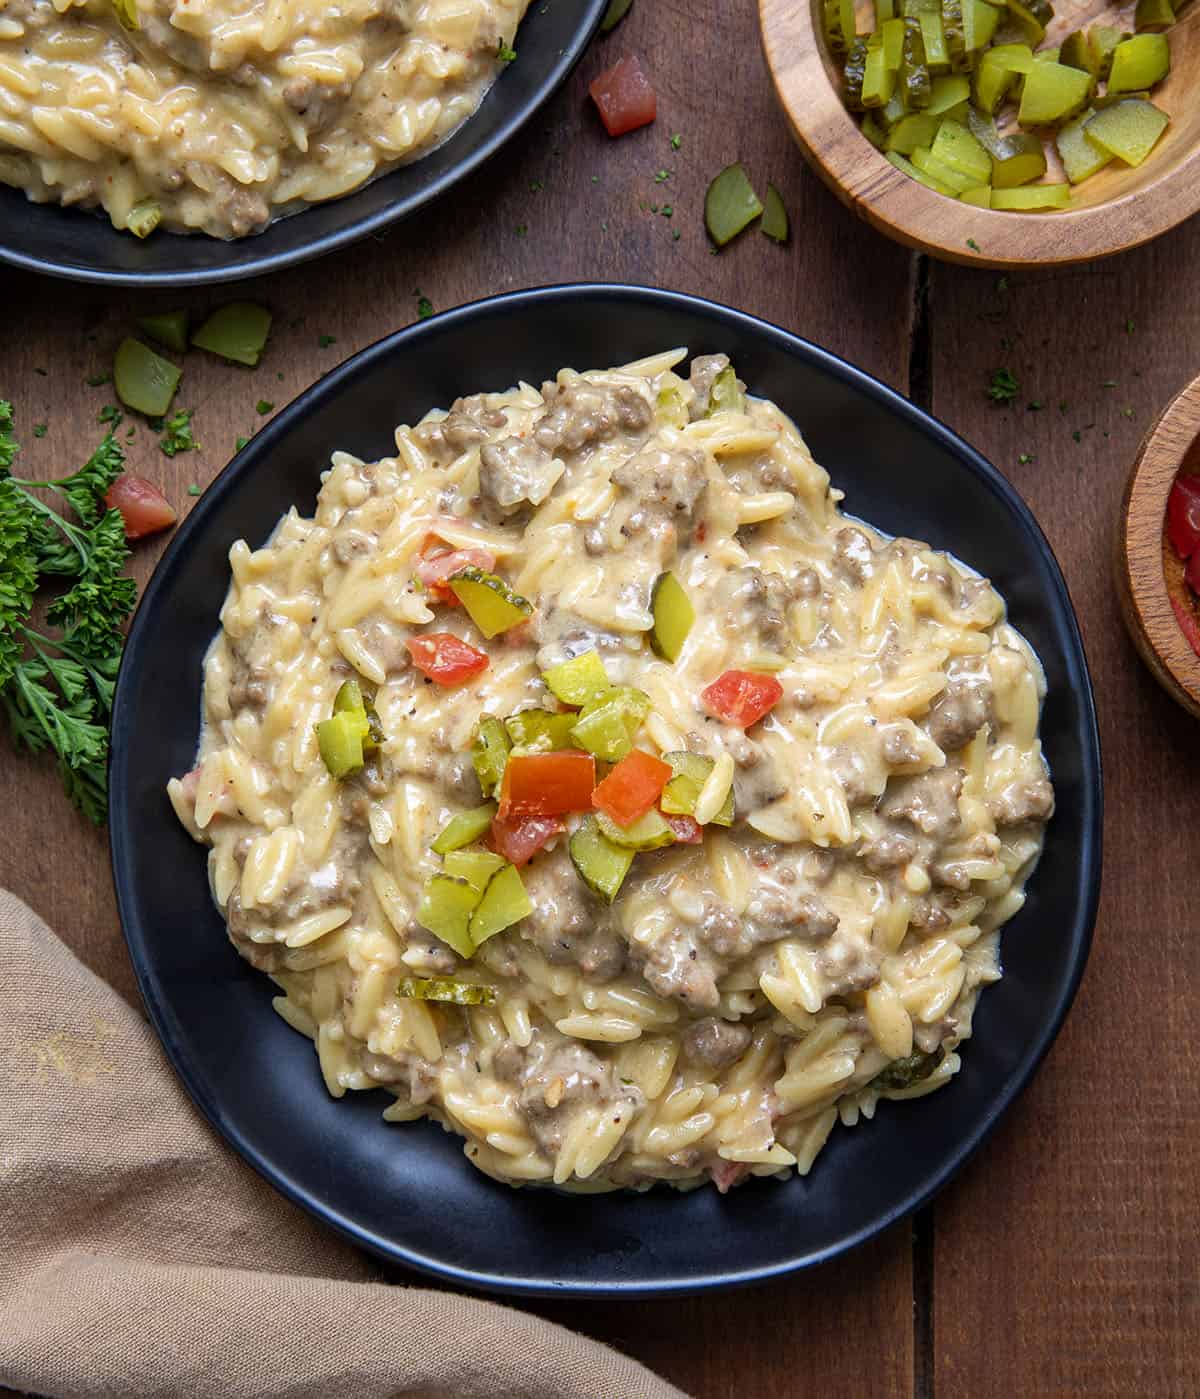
(57, 689)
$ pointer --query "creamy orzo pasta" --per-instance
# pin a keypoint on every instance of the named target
(220, 115)
(584, 777)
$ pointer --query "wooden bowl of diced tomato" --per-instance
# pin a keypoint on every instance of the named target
(1158, 554)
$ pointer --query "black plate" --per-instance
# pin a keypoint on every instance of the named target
(84, 246)
(407, 1192)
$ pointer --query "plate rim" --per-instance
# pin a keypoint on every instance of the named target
(1088, 874)
(395, 212)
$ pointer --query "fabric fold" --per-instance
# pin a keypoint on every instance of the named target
(140, 1257)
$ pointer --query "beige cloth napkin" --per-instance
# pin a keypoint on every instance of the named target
(139, 1256)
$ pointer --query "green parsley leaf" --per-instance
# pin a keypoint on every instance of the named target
(424, 308)
(39, 429)
(676, 141)
(178, 435)
(241, 442)
(504, 52)
(193, 489)
(110, 413)
(93, 381)
(1004, 386)
(324, 341)
(973, 245)
(263, 407)
(1025, 458)
(661, 177)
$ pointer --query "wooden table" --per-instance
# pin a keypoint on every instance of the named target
(1064, 1260)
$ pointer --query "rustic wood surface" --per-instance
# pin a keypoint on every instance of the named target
(1064, 1260)
(1117, 209)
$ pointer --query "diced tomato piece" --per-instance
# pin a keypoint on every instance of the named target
(727, 1174)
(632, 788)
(142, 505)
(1183, 516)
(742, 697)
(520, 839)
(1191, 574)
(447, 659)
(547, 784)
(687, 831)
(434, 569)
(624, 97)
(1188, 623)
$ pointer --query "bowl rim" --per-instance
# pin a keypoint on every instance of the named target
(906, 211)
(397, 210)
(1091, 788)
(1142, 575)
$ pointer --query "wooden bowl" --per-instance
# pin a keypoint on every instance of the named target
(1145, 585)
(1117, 208)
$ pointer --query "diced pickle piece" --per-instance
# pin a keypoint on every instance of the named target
(1032, 197)
(1053, 93)
(730, 204)
(579, 680)
(679, 795)
(504, 903)
(1128, 129)
(998, 71)
(126, 12)
(672, 407)
(648, 832)
(915, 83)
(839, 24)
(539, 731)
(438, 988)
(1102, 40)
(169, 329)
(916, 129)
(447, 903)
(463, 828)
(475, 866)
(607, 726)
(906, 167)
(143, 380)
(673, 616)
(854, 74)
(874, 130)
(930, 165)
(892, 39)
(1139, 63)
(1081, 158)
(1076, 52)
(491, 604)
(879, 81)
(1153, 15)
(340, 742)
(601, 865)
(937, 55)
(489, 753)
(903, 1073)
(955, 147)
(980, 22)
(952, 27)
(948, 92)
(1019, 159)
(349, 698)
(981, 197)
(236, 332)
(774, 220)
(725, 396)
(1032, 16)
(983, 128)
(144, 217)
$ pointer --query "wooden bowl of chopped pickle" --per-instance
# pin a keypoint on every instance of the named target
(1017, 134)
